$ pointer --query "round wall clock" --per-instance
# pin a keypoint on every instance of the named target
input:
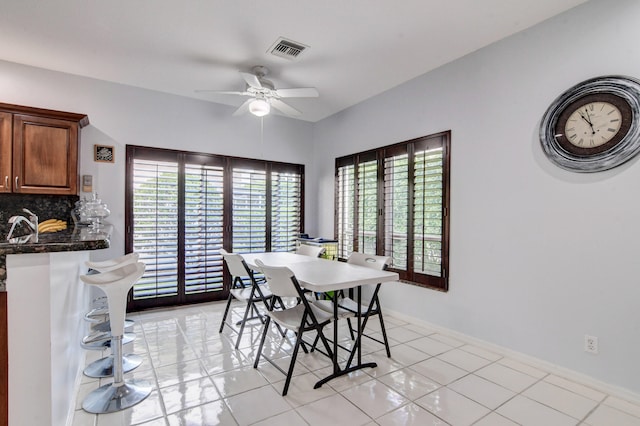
(593, 126)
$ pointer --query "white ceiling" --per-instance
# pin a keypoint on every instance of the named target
(357, 48)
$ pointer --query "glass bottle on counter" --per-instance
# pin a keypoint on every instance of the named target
(79, 213)
(96, 211)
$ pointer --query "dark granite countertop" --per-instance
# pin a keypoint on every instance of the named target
(75, 239)
(80, 238)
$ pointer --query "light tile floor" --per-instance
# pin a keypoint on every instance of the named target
(199, 378)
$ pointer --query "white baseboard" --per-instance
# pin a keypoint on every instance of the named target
(549, 367)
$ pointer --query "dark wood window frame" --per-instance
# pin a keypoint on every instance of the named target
(351, 208)
(228, 164)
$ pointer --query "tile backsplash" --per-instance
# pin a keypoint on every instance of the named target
(44, 206)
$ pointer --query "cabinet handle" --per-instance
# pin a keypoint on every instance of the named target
(17, 182)
(6, 181)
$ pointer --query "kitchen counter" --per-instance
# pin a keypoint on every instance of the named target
(76, 239)
(43, 303)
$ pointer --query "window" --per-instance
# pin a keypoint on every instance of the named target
(286, 219)
(203, 227)
(367, 201)
(182, 208)
(155, 203)
(249, 207)
(394, 201)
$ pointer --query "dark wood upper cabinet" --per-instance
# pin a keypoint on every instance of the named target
(5, 151)
(39, 150)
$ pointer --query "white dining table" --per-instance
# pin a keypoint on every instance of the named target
(321, 276)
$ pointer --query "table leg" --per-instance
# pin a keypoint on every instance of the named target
(358, 343)
(336, 367)
(337, 372)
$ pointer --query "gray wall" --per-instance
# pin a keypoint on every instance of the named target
(122, 115)
(539, 256)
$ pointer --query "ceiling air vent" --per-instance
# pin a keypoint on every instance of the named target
(287, 49)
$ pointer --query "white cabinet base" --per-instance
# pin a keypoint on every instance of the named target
(46, 302)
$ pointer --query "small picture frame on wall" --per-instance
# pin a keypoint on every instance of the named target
(103, 154)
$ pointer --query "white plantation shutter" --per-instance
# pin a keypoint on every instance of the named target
(367, 206)
(155, 227)
(396, 202)
(249, 210)
(427, 210)
(345, 209)
(203, 229)
(286, 209)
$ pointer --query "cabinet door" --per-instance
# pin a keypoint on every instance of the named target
(45, 155)
(5, 151)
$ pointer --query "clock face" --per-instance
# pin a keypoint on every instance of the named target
(593, 125)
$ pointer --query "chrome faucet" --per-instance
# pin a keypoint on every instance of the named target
(32, 223)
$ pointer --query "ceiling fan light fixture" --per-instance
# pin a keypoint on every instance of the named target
(259, 107)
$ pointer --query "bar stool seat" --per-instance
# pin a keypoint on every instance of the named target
(100, 313)
(115, 263)
(99, 319)
(120, 394)
(97, 315)
(100, 337)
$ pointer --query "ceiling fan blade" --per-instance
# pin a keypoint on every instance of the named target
(223, 92)
(251, 79)
(286, 109)
(300, 92)
(243, 108)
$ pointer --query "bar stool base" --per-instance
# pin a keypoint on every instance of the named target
(110, 398)
(104, 366)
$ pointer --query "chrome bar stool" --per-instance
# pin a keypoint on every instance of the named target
(99, 313)
(120, 394)
(98, 316)
(99, 304)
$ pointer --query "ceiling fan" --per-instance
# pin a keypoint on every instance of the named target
(263, 95)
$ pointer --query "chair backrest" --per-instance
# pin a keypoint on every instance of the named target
(309, 250)
(369, 260)
(235, 263)
(281, 280)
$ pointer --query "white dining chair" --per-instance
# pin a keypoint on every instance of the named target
(309, 250)
(348, 308)
(300, 318)
(251, 293)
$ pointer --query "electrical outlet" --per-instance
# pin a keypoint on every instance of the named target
(591, 344)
